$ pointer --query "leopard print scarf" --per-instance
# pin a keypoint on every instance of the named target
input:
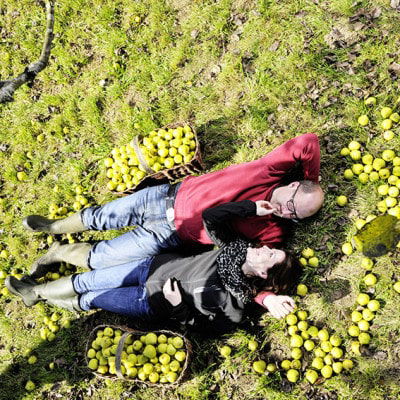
(229, 268)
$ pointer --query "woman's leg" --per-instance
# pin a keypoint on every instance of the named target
(127, 211)
(130, 274)
(130, 301)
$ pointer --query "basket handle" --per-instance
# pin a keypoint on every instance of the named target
(118, 355)
(167, 175)
(142, 160)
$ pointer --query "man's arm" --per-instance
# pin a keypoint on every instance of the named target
(301, 151)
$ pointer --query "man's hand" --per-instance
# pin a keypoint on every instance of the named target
(264, 208)
(171, 292)
(279, 306)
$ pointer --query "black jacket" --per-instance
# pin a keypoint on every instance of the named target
(206, 303)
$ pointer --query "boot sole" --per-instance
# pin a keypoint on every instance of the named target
(14, 291)
(28, 227)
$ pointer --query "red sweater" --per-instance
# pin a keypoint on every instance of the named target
(254, 180)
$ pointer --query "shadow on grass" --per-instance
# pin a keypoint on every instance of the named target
(335, 289)
(67, 352)
(218, 141)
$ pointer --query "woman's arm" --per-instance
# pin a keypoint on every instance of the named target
(279, 306)
(180, 311)
(218, 321)
(217, 219)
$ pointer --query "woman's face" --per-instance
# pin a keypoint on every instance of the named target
(260, 260)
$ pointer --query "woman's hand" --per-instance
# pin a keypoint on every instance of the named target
(264, 208)
(279, 306)
(171, 292)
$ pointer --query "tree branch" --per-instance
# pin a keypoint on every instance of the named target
(8, 87)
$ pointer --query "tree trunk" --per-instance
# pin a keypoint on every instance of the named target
(8, 87)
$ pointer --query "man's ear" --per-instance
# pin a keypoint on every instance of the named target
(294, 184)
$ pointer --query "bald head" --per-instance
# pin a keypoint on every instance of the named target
(299, 199)
(309, 199)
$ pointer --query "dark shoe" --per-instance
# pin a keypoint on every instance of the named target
(24, 289)
(71, 224)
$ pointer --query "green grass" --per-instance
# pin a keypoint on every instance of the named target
(248, 75)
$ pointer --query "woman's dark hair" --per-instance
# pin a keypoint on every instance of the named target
(281, 277)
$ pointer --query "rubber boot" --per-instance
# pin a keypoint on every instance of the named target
(60, 293)
(75, 254)
(71, 224)
(70, 303)
(23, 288)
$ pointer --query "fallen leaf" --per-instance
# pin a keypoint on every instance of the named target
(394, 67)
(376, 12)
(274, 46)
(215, 71)
(358, 26)
(194, 33)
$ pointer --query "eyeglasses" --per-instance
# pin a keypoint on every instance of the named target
(291, 208)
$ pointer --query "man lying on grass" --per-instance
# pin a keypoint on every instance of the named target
(167, 217)
(208, 290)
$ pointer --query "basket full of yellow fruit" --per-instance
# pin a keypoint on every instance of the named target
(154, 358)
(166, 154)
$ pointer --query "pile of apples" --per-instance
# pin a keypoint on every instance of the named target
(327, 353)
(161, 149)
(385, 169)
(155, 358)
(323, 353)
(53, 324)
(365, 310)
(308, 258)
(389, 117)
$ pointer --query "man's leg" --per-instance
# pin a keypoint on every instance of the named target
(127, 211)
(75, 254)
(137, 244)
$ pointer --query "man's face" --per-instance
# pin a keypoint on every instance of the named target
(285, 200)
(292, 203)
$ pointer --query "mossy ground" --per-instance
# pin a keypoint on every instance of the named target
(248, 75)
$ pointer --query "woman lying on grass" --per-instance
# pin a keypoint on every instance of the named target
(207, 289)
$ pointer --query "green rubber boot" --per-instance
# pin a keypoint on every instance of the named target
(75, 254)
(23, 288)
(71, 224)
(60, 293)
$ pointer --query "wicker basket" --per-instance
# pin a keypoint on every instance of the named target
(126, 332)
(172, 174)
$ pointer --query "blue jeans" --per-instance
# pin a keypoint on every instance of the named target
(120, 289)
(145, 209)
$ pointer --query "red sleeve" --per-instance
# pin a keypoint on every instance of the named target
(304, 149)
(261, 296)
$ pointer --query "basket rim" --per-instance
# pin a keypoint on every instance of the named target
(124, 328)
(165, 172)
